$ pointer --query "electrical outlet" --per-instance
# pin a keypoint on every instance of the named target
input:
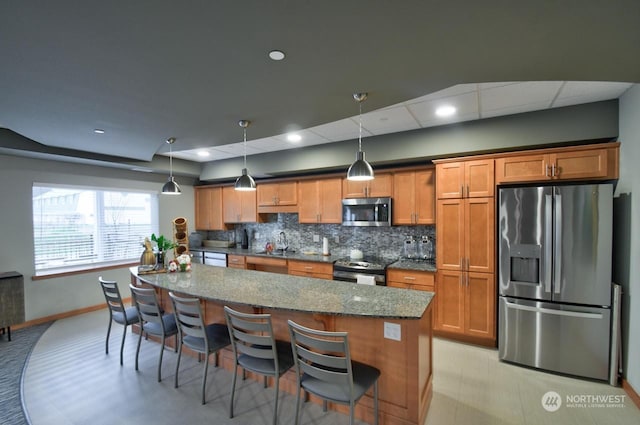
(337, 239)
(316, 238)
(257, 235)
(392, 331)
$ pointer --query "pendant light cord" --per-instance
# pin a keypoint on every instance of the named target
(170, 161)
(244, 131)
(360, 134)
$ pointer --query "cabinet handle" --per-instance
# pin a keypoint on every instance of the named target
(308, 268)
(546, 170)
(553, 170)
(462, 191)
(460, 280)
(409, 278)
(467, 191)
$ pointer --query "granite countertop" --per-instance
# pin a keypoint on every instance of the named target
(418, 265)
(287, 292)
(289, 255)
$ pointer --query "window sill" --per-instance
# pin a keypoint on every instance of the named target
(85, 269)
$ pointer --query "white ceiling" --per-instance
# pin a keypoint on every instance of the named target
(147, 70)
(472, 102)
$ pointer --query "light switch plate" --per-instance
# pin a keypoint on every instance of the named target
(316, 238)
(337, 239)
(392, 331)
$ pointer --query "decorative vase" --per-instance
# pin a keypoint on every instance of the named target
(160, 256)
(148, 258)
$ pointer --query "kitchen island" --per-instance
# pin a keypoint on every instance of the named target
(388, 328)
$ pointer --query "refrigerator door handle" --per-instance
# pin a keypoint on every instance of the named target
(548, 235)
(554, 312)
(557, 240)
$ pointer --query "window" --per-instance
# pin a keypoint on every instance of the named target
(74, 227)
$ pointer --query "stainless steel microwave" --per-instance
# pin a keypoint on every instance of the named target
(366, 212)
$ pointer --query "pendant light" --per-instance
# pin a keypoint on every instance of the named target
(360, 169)
(171, 187)
(245, 182)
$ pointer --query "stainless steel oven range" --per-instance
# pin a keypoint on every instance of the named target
(366, 269)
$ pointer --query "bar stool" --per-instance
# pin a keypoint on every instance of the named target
(192, 332)
(324, 368)
(255, 349)
(117, 311)
(153, 321)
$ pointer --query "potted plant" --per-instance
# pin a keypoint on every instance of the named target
(163, 245)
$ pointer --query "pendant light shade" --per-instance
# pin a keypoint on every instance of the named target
(245, 182)
(171, 187)
(360, 170)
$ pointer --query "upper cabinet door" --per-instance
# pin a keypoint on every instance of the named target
(465, 179)
(479, 178)
(404, 193)
(239, 206)
(209, 208)
(277, 194)
(425, 197)
(580, 164)
(450, 180)
(515, 169)
(380, 187)
(330, 198)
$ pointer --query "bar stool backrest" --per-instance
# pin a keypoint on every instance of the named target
(251, 334)
(321, 354)
(190, 321)
(147, 302)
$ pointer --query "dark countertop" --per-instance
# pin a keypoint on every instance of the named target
(287, 292)
(418, 265)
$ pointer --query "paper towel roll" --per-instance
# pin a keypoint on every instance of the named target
(366, 280)
(325, 246)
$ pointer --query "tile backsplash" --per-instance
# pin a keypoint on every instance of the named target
(372, 241)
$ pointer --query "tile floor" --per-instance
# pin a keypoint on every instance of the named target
(69, 380)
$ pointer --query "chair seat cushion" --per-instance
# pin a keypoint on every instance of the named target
(170, 327)
(131, 313)
(217, 334)
(267, 366)
(364, 376)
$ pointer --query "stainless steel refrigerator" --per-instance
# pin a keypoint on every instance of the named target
(555, 290)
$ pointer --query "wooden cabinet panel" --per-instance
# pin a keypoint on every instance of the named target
(411, 277)
(209, 208)
(479, 178)
(414, 197)
(320, 201)
(580, 164)
(522, 168)
(239, 206)
(450, 234)
(465, 303)
(561, 164)
(236, 261)
(479, 311)
(380, 187)
(450, 301)
(311, 269)
(465, 179)
(479, 234)
(277, 194)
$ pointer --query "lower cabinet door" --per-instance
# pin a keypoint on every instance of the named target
(450, 301)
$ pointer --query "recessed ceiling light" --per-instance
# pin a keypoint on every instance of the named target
(203, 153)
(294, 137)
(445, 111)
(276, 55)
(98, 131)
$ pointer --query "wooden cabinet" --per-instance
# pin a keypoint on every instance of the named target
(465, 252)
(236, 261)
(311, 269)
(239, 206)
(560, 164)
(465, 235)
(320, 201)
(209, 208)
(466, 304)
(277, 197)
(414, 197)
(465, 179)
(411, 279)
(380, 187)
